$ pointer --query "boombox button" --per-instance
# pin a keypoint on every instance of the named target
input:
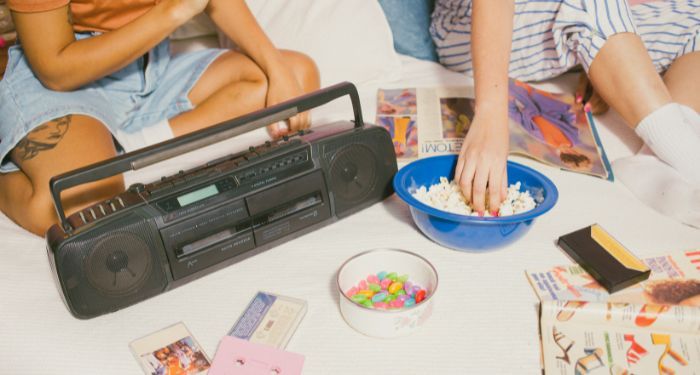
(137, 188)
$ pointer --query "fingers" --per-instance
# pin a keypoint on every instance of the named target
(277, 130)
(299, 122)
(495, 191)
(504, 184)
(481, 179)
(581, 88)
(466, 177)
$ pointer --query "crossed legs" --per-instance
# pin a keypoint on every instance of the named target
(233, 85)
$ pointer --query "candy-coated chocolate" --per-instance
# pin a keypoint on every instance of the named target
(393, 276)
(367, 303)
(385, 283)
(351, 292)
(395, 287)
(402, 278)
(414, 290)
(401, 292)
(409, 302)
(381, 275)
(373, 279)
(420, 296)
(362, 285)
(381, 305)
(374, 287)
(359, 298)
(367, 293)
(397, 304)
(379, 297)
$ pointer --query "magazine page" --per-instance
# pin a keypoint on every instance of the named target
(674, 280)
(666, 318)
(548, 127)
(581, 342)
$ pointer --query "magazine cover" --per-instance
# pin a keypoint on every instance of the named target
(650, 328)
(551, 128)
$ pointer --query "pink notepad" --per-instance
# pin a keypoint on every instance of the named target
(240, 357)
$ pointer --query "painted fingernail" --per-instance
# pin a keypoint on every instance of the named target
(494, 213)
(587, 107)
(579, 98)
(481, 213)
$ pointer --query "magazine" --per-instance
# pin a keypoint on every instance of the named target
(650, 328)
(551, 128)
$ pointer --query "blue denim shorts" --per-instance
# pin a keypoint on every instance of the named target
(141, 94)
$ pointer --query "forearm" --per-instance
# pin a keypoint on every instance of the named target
(492, 30)
(245, 32)
(64, 64)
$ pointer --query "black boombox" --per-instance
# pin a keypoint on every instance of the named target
(155, 237)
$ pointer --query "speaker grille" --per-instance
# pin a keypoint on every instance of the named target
(353, 173)
(360, 166)
(120, 264)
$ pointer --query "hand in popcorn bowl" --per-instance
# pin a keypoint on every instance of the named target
(440, 212)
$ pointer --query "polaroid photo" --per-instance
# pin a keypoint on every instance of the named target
(172, 350)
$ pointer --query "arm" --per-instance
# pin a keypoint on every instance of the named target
(234, 18)
(482, 160)
(64, 64)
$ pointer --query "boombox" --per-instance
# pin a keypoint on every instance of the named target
(157, 236)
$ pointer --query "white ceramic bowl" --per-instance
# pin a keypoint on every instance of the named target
(393, 322)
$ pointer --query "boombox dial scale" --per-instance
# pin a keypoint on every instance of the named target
(157, 236)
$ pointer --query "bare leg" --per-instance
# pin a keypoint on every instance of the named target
(234, 85)
(683, 80)
(56, 147)
(624, 75)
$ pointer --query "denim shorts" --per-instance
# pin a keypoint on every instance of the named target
(141, 94)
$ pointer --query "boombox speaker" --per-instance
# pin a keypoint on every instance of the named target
(157, 236)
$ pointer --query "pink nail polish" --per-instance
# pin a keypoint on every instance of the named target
(494, 213)
(587, 107)
(481, 213)
(579, 98)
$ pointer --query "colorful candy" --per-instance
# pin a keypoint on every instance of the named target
(386, 291)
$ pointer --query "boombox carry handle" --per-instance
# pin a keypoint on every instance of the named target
(165, 150)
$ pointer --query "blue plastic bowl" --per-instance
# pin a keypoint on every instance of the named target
(470, 233)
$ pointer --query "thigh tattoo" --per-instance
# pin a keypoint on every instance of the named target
(43, 138)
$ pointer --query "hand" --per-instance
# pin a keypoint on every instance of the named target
(586, 93)
(482, 162)
(282, 86)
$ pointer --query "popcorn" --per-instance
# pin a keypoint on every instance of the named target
(447, 196)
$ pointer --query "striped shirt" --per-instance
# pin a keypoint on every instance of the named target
(553, 36)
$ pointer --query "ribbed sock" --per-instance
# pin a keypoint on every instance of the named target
(672, 137)
(693, 116)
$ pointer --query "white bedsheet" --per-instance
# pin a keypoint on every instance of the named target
(484, 320)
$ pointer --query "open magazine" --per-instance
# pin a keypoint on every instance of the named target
(551, 128)
(650, 328)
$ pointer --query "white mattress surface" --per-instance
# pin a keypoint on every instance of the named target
(485, 311)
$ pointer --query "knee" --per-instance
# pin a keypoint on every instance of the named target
(304, 68)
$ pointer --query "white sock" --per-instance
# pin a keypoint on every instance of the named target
(659, 186)
(692, 116)
(147, 136)
(674, 140)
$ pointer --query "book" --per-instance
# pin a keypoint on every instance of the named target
(549, 127)
(650, 328)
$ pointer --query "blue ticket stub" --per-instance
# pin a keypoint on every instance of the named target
(269, 319)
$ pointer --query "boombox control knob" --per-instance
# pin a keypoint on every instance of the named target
(137, 188)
